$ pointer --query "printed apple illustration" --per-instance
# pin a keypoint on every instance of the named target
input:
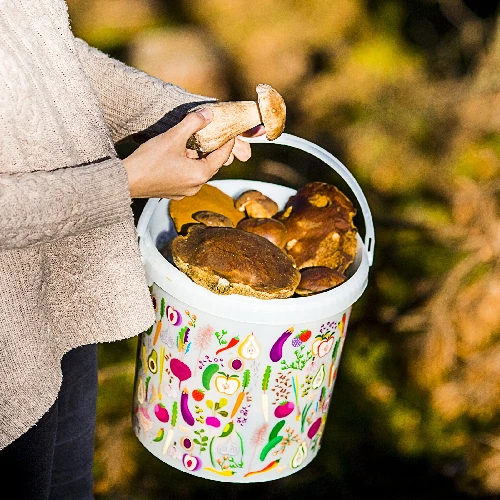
(321, 347)
(227, 384)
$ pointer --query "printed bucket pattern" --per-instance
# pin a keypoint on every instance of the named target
(225, 399)
(234, 388)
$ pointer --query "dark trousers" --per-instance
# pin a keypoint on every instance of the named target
(54, 459)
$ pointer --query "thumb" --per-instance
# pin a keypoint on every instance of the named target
(194, 121)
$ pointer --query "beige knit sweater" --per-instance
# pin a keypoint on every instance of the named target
(70, 270)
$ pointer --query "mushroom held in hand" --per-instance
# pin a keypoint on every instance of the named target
(232, 118)
(318, 279)
(229, 261)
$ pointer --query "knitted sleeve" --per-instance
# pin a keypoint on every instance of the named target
(42, 206)
(133, 102)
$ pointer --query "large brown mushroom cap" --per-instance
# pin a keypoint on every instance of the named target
(229, 261)
(320, 228)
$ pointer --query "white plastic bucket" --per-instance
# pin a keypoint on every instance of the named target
(254, 408)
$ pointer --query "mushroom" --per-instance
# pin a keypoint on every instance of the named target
(268, 228)
(318, 279)
(208, 198)
(320, 227)
(213, 219)
(229, 261)
(256, 204)
(232, 118)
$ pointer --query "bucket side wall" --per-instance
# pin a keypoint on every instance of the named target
(233, 400)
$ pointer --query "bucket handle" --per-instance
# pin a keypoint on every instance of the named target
(309, 147)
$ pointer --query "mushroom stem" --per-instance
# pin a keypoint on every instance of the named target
(230, 119)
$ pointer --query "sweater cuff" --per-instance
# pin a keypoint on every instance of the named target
(43, 206)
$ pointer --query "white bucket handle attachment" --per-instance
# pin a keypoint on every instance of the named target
(309, 147)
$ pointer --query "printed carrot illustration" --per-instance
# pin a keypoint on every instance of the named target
(170, 433)
(241, 395)
(159, 324)
(265, 385)
(230, 344)
(269, 466)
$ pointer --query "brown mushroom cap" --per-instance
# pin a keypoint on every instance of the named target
(229, 261)
(320, 228)
(214, 219)
(318, 279)
(269, 228)
(208, 198)
(256, 204)
(272, 110)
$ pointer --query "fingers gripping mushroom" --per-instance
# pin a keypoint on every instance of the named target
(232, 118)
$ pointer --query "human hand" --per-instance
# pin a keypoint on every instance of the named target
(241, 149)
(163, 168)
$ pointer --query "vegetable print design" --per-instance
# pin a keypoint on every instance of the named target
(197, 415)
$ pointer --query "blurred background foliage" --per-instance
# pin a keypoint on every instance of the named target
(406, 93)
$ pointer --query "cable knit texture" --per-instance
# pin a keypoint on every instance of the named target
(70, 269)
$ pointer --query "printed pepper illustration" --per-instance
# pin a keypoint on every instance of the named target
(230, 344)
(268, 467)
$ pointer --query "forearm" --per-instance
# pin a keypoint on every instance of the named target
(38, 207)
(133, 101)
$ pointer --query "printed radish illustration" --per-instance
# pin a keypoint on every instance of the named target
(284, 409)
(170, 433)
